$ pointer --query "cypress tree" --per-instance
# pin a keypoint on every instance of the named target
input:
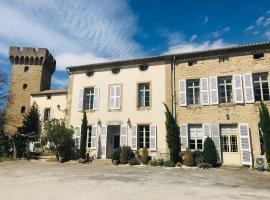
(84, 128)
(209, 152)
(265, 127)
(172, 136)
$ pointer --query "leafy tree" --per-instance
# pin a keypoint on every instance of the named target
(60, 137)
(209, 152)
(173, 136)
(28, 132)
(265, 127)
(83, 136)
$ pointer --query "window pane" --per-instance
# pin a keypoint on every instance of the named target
(192, 144)
(225, 146)
(233, 140)
(193, 91)
(199, 144)
(89, 136)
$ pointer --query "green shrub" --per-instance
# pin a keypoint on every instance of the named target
(145, 156)
(134, 161)
(160, 162)
(116, 154)
(168, 163)
(153, 163)
(188, 158)
(209, 152)
(204, 165)
(126, 154)
(178, 164)
(197, 157)
(138, 155)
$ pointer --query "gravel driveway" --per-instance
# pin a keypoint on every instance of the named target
(44, 180)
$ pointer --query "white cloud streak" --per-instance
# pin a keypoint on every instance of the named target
(76, 32)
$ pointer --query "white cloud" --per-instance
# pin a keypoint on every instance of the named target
(191, 47)
(74, 31)
(206, 19)
(267, 34)
(193, 37)
(60, 83)
(250, 28)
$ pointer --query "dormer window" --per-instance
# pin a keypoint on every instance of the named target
(223, 59)
(191, 63)
(258, 56)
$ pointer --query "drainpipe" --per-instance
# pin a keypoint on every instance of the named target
(173, 86)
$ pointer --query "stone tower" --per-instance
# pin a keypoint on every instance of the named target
(31, 73)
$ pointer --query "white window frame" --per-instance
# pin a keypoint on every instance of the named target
(115, 97)
(142, 105)
(196, 135)
(225, 84)
(260, 81)
(144, 135)
(91, 96)
(193, 87)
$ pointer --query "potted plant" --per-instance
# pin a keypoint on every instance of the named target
(116, 156)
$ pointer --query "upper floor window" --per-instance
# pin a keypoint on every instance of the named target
(23, 109)
(143, 95)
(193, 91)
(258, 55)
(89, 136)
(225, 89)
(26, 68)
(144, 136)
(88, 98)
(115, 97)
(223, 60)
(196, 137)
(24, 86)
(47, 114)
(261, 87)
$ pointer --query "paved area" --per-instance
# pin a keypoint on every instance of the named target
(38, 180)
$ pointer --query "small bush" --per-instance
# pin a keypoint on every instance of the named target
(153, 163)
(116, 154)
(160, 162)
(168, 163)
(209, 152)
(204, 165)
(126, 154)
(145, 156)
(138, 155)
(188, 158)
(178, 164)
(134, 161)
(197, 157)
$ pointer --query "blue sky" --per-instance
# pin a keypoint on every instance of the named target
(89, 31)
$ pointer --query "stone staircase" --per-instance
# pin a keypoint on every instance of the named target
(102, 162)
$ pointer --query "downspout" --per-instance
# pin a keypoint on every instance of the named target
(173, 86)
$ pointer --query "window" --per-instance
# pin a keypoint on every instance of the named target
(258, 55)
(23, 109)
(88, 98)
(115, 97)
(223, 60)
(196, 136)
(89, 136)
(24, 86)
(190, 63)
(143, 136)
(26, 68)
(225, 89)
(144, 95)
(143, 67)
(261, 87)
(193, 91)
(49, 96)
(47, 113)
(229, 143)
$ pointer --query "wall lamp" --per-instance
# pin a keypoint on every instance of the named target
(227, 116)
(99, 122)
(129, 123)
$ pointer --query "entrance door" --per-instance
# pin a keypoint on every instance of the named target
(230, 145)
(116, 141)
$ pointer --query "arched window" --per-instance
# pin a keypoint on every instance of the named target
(26, 68)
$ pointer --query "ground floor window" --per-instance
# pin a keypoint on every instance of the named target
(89, 136)
(196, 137)
(229, 138)
(143, 136)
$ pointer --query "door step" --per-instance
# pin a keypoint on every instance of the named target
(102, 162)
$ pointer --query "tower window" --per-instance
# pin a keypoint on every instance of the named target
(24, 86)
(23, 109)
(258, 55)
(191, 63)
(26, 68)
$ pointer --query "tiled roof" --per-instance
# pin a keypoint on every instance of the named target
(46, 92)
(180, 57)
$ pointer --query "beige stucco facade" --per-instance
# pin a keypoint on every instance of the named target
(54, 101)
(128, 79)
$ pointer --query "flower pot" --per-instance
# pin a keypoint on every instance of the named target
(61, 159)
(115, 162)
